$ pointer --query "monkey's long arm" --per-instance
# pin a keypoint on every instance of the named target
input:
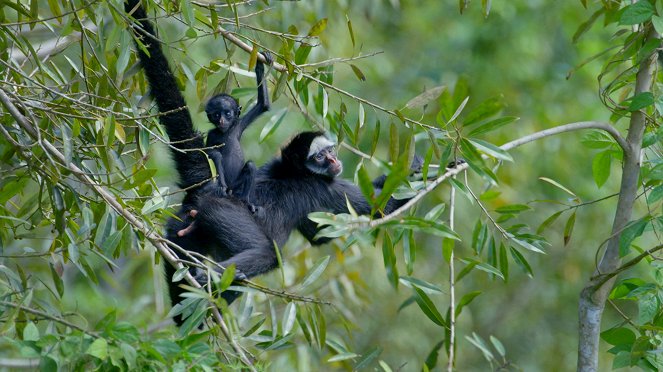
(192, 166)
(263, 104)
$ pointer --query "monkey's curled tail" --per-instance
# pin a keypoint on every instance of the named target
(192, 166)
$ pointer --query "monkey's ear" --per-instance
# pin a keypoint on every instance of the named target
(239, 110)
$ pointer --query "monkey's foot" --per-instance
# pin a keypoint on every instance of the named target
(455, 163)
(269, 59)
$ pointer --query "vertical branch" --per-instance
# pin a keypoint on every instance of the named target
(452, 286)
(593, 297)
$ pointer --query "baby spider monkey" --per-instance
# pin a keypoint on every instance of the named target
(234, 176)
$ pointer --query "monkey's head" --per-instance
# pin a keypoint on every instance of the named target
(313, 153)
(223, 111)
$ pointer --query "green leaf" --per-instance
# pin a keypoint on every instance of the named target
(601, 167)
(639, 12)
(587, 24)
(389, 258)
(513, 208)
(483, 267)
(421, 284)
(491, 150)
(568, 228)
(428, 308)
(504, 262)
(289, 316)
(527, 245)
(447, 248)
(429, 227)
(655, 195)
(431, 359)
(227, 277)
(352, 34)
(426, 97)
(486, 109)
(521, 261)
(466, 300)
(633, 230)
(318, 28)
(548, 222)
(558, 185)
(367, 358)
(641, 100)
(179, 274)
(656, 173)
(30, 332)
(619, 336)
(657, 21)
(341, 357)
(272, 125)
(317, 270)
(492, 125)
(360, 75)
(365, 184)
(498, 346)
(98, 349)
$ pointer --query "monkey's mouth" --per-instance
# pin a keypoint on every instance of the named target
(223, 125)
(336, 168)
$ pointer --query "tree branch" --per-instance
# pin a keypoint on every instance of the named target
(49, 317)
(595, 293)
(507, 146)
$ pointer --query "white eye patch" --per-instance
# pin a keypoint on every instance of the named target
(318, 144)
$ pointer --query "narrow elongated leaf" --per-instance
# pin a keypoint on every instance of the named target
(558, 185)
(421, 284)
(352, 34)
(426, 97)
(568, 228)
(272, 125)
(428, 308)
(491, 150)
(317, 270)
(367, 358)
(492, 125)
(466, 300)
(548, 222)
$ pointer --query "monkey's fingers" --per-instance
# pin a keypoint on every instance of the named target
(193, 213)
(186, 230)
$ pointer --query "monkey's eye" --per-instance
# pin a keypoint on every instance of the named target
(319, 156)
(228, 114)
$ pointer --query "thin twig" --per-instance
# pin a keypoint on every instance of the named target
(49, 317)
(507, 146)
(452, 285)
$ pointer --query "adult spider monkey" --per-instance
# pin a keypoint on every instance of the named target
(301, 181)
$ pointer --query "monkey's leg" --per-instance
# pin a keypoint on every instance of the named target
(228, 224)
(245, 184)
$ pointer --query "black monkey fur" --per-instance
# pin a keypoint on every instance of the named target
(285, 188)
(224, 112)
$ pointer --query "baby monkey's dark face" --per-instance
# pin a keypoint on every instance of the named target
(223, 111)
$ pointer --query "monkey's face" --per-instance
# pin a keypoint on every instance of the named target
(322, 158)
(223, 112)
